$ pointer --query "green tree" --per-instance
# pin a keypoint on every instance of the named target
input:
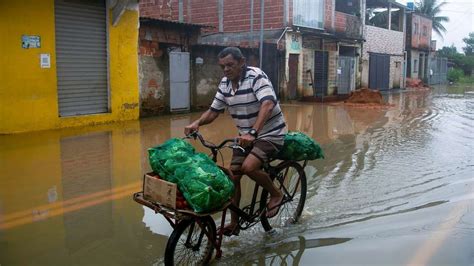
(469, 41)
(432, 8)
(448, 51)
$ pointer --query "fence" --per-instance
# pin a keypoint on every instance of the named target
(439, 68)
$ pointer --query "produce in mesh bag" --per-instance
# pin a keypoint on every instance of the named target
(166, 158)
(204, 185)
(298, 146)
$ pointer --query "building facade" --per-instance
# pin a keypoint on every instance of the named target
(383, 56)
(310, 48)
(67, 63)
(418, 46)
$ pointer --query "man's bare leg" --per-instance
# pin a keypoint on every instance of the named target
(252, 167)
(234, 218)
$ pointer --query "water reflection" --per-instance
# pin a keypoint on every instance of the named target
(288, 252)
(65, 195)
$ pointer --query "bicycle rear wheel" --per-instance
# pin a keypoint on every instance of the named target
(291, 180)
(191, 243)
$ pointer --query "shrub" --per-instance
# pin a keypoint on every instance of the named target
(455, 74)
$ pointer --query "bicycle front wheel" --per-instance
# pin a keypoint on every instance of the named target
(291, 180)
(191, 243)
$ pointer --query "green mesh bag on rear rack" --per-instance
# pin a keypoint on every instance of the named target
(204, 185)
(298, 147)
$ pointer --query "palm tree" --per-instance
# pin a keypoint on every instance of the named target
(432, 8)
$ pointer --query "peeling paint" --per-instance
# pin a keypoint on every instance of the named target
(205, 87)
(129, 105)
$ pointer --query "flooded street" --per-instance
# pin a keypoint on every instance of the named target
(396, 188)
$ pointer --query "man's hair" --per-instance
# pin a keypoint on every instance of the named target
(234, 51)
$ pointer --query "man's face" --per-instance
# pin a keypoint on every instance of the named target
(232, 68)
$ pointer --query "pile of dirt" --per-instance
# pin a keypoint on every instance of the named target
(415, 84)
(366, 96)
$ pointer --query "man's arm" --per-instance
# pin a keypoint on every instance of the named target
(206, 118)
(263, 114)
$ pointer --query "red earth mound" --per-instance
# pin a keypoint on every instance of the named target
(365, 96)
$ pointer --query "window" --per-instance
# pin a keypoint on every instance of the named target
(415, 66)
(308, 13)
(415, 28)
(425, 31)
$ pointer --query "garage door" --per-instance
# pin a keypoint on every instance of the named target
(379, 71)
(81, 56)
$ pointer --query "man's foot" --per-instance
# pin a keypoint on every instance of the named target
(229, 230)
(273, 205)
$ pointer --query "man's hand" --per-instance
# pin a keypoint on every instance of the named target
(193, 127)
(246, 140)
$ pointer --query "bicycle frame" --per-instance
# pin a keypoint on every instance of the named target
(248, 215)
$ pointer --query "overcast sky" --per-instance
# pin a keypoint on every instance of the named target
(461, 16)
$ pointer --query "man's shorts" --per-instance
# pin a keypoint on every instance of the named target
(262, 149)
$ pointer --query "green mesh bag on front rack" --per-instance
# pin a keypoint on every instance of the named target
(298, 147)
(166, 158)
(204, 185)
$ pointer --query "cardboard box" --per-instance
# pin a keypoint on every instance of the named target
(160, 191)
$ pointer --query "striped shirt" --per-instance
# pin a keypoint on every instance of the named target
(244, 103)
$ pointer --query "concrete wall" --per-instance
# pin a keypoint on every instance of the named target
(414, 55)
(205, 76)
(383, 41)
(379, 40)
(155, 43)
(29, 95)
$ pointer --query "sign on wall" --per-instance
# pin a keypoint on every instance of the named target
(294, 43)
(30, 41)
(45, 61)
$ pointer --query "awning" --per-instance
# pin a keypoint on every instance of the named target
(242, 39)
(171, 23)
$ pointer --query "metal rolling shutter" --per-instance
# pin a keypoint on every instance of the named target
(81, 56)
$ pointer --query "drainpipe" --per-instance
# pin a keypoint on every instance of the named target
(281, 36)
(220, 11)
(180, 11)
(251, 22)
(389, 16)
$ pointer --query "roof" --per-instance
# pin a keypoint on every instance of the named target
(327, 35)
(165, 22)
(242, 39)
(383, 3)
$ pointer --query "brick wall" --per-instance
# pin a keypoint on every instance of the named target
(328, 15)
(418, 39)
(340, 23)
(205, 12)
(160, 9)
(236, 13)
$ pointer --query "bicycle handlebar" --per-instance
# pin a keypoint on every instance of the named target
(212, 146)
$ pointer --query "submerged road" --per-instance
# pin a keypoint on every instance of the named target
(396, 188)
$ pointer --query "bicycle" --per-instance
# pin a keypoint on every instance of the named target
(195, 237)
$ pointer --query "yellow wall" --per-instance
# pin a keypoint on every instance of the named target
(28, 93)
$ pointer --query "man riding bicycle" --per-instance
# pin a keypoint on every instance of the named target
(248, 95)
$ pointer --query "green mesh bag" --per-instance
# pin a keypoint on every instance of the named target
(298, 147)
(166, 158)
(203, 184)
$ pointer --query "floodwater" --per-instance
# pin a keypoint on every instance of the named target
(396, 188)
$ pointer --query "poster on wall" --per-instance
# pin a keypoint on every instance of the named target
(30, 41)
(45, 61)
